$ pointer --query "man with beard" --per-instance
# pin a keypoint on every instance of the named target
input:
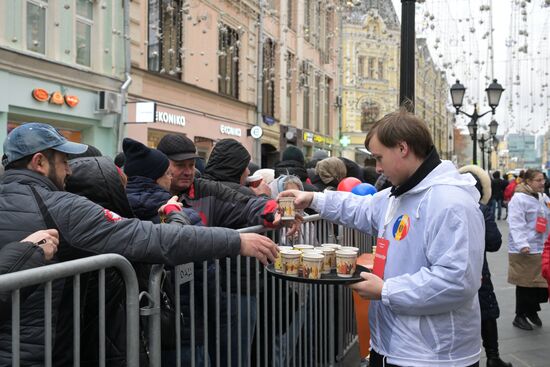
(32, 198)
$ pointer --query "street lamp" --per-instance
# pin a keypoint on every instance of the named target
(488, 142)
(494, 92)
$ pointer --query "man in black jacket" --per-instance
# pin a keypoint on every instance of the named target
(32, 198)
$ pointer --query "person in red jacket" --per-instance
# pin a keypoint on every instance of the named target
(545, 264)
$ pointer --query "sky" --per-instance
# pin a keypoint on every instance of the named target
(459, 36)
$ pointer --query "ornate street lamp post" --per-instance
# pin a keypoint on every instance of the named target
(494, 92)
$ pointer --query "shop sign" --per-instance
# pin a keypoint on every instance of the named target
(318, 139)
(228, 130)
(42, 95)
(170, 118)
(308, 137)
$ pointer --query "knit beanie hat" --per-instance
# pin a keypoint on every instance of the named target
(292, 153)
(331, 169)
(320, 154)
(143, 161)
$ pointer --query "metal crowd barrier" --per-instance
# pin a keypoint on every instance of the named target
(47, 274)
(279, 324)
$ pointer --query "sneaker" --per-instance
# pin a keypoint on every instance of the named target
(534, 318)
(522, 323)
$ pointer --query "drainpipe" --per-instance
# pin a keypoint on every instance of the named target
(259, 85)
(127, 68)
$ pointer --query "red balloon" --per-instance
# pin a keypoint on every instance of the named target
(348, 183)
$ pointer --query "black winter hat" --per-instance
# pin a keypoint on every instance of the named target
(228, 160)
(292, 153)
(177, 147)
(143, 161)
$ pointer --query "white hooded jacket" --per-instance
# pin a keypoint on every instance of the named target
(523, 211)
(429, 313)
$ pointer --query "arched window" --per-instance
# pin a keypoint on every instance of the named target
(369, 114)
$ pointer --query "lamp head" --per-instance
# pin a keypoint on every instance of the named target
(457, 94)
(494, 92)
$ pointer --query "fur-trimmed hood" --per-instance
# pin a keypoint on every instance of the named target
(483, 181)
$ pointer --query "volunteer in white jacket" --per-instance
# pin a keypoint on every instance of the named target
(528, 216)
(425, 310)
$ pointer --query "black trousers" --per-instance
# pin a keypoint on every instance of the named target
(528, 300)
(377, 360)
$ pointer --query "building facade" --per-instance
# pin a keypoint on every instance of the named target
(62, 62)
(199, 62)
(370, 82)
(431, 95)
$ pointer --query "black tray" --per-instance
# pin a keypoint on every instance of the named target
(331, 278)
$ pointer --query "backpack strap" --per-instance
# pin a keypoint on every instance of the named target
(50, 222)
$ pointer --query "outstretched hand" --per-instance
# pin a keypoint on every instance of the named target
(302, 199)
(258, 246)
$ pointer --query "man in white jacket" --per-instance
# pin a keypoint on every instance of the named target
(425, 310)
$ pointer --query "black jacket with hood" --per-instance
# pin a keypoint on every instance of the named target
(226, 164)
(86, 229)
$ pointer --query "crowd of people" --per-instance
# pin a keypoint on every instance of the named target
(433, 302)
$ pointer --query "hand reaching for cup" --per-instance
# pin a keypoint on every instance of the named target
(47, 239)
(302, 199)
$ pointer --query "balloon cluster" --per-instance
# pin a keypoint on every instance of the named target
(355, 186)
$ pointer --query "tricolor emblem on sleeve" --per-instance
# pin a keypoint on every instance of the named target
(401, 227)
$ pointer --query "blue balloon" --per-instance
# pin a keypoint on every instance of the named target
(364, 189)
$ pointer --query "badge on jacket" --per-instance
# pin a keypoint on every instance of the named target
(401, 227)
(111, 216)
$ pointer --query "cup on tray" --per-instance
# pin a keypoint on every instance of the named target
(278, 265)
(312, 264)
(345, 263)
(290, 261)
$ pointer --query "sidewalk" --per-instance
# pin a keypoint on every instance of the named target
(521, 348)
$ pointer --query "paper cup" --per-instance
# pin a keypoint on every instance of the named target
(290, 260)
(345, 263)
(315, 250)
(278, 265)
(350, 248)
(313, 264)
(287, 208)
(254, 180)
(330, 259)
(332, 245)
(303, 247)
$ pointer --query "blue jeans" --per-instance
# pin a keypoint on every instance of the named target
(496, 205)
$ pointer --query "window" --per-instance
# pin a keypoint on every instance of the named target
(269, 78)
(361, 66)
(308, 20)
(328, 34)
(328, 83)
(371, 67)
(289, 83)
(369, 114)
(291, 14)
(228, 62)
(305, 84)
(318, 103)
(84, 23)
(380, 69)
(165, 36)
(36, 25)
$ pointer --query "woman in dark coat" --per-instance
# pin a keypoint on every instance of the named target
(487, 298)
